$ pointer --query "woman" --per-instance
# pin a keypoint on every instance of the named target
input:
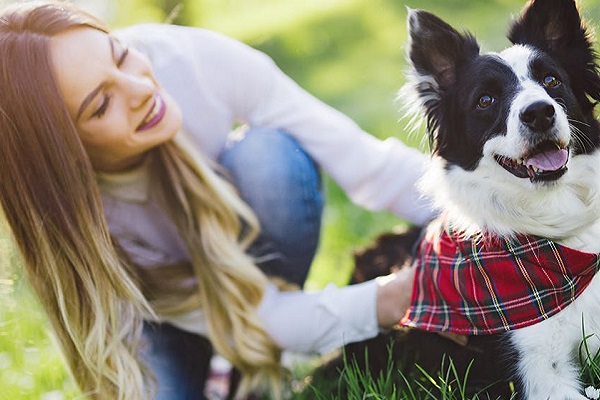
(121, 218)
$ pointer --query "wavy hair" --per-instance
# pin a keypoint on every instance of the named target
(217, 227)
(51, 200)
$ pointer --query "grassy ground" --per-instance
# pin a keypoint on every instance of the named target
(348, 53)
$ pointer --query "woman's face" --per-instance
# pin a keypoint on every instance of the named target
(117, 105)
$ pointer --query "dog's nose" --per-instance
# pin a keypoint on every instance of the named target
(538, 116)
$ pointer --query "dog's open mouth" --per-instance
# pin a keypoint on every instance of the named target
(546, 162)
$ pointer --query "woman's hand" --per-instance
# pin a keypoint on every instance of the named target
(393, 296)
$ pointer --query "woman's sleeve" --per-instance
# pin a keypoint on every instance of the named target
(308, 322)
(376, 174)
(318, 322)
(241, 84)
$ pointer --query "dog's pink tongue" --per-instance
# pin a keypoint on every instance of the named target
(549, 160)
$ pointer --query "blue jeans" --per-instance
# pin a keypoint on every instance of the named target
(282, 184)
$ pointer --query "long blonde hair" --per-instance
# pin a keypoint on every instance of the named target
(217, 227)
(52, 202)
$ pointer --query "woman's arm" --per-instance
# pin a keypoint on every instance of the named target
(322, 321)
(219, 81)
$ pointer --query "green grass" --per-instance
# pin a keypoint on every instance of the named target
(349, 53)
(447, 384)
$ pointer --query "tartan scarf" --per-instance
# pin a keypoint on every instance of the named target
(486, 285)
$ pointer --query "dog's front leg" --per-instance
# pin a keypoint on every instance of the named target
(546, 361)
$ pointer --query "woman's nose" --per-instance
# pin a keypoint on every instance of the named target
(138, 88)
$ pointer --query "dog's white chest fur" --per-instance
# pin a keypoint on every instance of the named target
(550, 350)
(488, 199)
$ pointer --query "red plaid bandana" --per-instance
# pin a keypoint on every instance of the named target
(490, 285)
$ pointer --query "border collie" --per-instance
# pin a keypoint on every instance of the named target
(515, 165)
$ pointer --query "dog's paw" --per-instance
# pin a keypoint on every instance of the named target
(558, 392)
(571, 396)
(554, 387)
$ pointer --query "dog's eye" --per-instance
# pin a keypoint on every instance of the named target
(485, 101)
(550, 81)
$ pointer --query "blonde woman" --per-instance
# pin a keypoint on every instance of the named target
(111, 179)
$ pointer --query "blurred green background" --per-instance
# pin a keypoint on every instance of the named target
(349, 53)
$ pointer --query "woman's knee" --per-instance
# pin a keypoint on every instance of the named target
(266, 155)
(273, 173)
(282, 184)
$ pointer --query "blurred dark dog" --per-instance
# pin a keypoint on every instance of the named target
(390, 252)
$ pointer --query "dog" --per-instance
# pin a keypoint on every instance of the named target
(515, 163)
(515, 172)
(515, 169)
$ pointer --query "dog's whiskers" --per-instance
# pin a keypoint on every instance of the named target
(576, 121)
(579, 137)
(561, 103)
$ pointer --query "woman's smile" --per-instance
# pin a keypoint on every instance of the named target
(155, 115)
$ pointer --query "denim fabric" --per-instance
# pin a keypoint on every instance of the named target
(179, 360)
(282, 185)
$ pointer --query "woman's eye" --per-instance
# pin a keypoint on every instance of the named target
(550, 81)
(119, 51)
(123, 56)
(103, 107)
(485, 101)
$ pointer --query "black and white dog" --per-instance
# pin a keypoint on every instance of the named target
(515, 150)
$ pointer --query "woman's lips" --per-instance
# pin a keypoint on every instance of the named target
(155, 115)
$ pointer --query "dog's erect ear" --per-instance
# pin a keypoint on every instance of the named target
(552, 25)
(556, 27)
(436, 49)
